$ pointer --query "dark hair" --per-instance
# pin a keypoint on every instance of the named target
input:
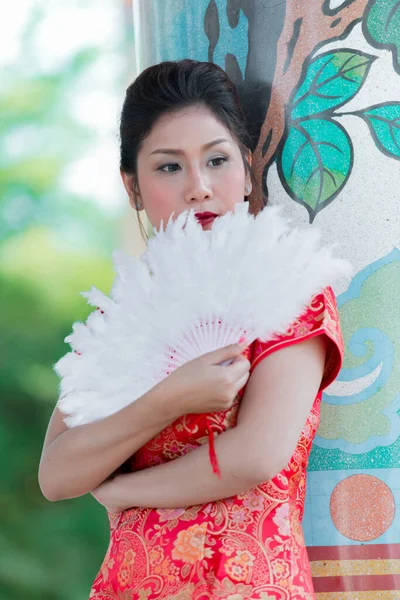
(170, 86)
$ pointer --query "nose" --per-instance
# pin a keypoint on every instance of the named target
(198, 188)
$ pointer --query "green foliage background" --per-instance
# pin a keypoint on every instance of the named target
(53, 244)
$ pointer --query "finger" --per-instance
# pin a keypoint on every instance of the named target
(223, 354)
(225, 363)
(239, 367)
(230, 361)
(240, 359)
(242, 382)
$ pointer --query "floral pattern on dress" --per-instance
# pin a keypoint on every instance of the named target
(248, 547)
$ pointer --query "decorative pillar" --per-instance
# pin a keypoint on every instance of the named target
(320, 83)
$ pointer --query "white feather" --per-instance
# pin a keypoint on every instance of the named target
(191, 292)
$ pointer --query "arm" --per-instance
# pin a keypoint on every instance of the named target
(76, 460)
(275, 406)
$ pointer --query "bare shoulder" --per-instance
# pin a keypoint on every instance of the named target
(293, 358)
(293, 371)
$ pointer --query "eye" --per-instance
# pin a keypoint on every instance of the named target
(218, 161)
(169, 168)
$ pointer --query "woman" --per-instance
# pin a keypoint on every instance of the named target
(197, 536)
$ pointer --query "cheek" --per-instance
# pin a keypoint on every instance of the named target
(159, 201)
(231, 187)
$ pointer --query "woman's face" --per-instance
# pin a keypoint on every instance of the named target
(188, 161)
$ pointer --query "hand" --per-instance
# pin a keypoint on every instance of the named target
(107, 495)
(204, 385)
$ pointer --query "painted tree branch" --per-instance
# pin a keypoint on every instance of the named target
(304, 31)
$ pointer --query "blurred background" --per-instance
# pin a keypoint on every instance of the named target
(64, 69)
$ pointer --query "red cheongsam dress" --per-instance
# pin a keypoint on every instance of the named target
(248, 547)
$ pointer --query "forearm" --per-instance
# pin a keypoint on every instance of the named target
(272, 415)
(190, 480)
(81, 458)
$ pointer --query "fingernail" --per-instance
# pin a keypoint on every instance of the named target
(242, 341)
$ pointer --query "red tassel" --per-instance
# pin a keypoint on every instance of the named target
(212, 453)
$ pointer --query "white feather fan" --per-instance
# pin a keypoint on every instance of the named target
(191, 292)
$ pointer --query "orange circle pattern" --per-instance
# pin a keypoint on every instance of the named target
(362, 507)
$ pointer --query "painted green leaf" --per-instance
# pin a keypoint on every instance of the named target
(331, 80)
(315, 163)
(382, 27)
(384, 123)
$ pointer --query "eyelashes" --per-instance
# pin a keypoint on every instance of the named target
(223, 160)
(173, 167)
(169, 168)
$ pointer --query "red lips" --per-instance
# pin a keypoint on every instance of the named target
(206, 218)
(205, 215)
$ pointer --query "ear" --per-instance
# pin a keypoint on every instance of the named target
(130, 185)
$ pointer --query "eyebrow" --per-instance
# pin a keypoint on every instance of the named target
(181, 152)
